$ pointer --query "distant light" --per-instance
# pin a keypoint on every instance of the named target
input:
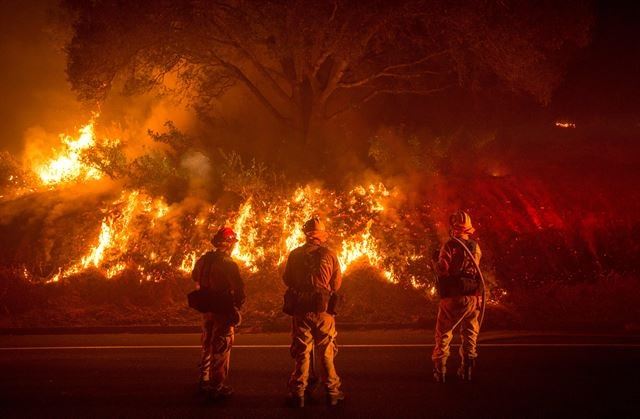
(565, 124)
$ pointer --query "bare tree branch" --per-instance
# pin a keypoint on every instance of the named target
(389, 71)
(265, 73)
(374, 93)
(236, 71)
(333, 12)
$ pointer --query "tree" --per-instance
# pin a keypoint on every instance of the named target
(307, 62)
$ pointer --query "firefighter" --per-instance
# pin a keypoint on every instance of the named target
(312, 276)
(460, 290)
(216, 271)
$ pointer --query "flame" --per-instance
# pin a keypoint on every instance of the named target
(116, 269)
(300, 208)
(565, 124)
(188, 263)
(247, 249)
(363, 246)
(68, 165)
(267, 231)
(252, 226)
(113, 233)
(113, 238)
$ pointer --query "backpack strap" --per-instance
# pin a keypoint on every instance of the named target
(475, 263)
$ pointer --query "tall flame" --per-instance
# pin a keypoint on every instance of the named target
(266, 232)
(363, 247)
(247, 249)
(68, 165)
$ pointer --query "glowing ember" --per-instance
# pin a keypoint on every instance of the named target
(116, 269)
(565, 124)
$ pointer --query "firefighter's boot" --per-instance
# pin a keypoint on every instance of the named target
(295, 401)
(335, 399)
(440, 370)
(466, 368)
(219, 394)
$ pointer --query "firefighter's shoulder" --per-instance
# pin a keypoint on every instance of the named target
(205, 257)
(328, 252)
(450, 243)
(300, 250)
(228, 260)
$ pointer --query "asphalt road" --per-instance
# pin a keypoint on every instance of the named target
(385, 374)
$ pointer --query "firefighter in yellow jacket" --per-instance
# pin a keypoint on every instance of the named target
(312, 276)
(217, 271)
(460, 298)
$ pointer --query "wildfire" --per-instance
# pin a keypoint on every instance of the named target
(188, 263)
(68, 166)
(300, 208)
(135, 232)
(247, 249)
(115, 234)
(363, 246)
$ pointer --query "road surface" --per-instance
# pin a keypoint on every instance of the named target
(385, 374)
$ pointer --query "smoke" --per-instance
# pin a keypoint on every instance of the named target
(32, 78)
(199, 168)
(44, 228)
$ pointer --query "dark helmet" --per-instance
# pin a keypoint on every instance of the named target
(224, 237)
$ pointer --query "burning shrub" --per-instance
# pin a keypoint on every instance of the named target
(128, 241)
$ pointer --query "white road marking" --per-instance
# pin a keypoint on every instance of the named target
(357, 346)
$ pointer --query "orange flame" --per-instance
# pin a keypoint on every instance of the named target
(68, 166)
(247, 249)
(128, 216)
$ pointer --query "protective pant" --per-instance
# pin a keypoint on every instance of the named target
(454, 311)
(309, 329)
(217, 339)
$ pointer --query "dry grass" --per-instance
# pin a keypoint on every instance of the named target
(610, 303)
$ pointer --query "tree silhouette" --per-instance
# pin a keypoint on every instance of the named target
(307, 62)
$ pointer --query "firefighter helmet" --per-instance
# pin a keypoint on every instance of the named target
(312, 225)
(461, 223)
(315, 230)
(224, 237)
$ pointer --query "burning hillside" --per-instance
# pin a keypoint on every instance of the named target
(141, 232)
(93, 208)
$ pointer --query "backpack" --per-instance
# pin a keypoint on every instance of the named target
(461, 284)
(206, 300)
(305, 298)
